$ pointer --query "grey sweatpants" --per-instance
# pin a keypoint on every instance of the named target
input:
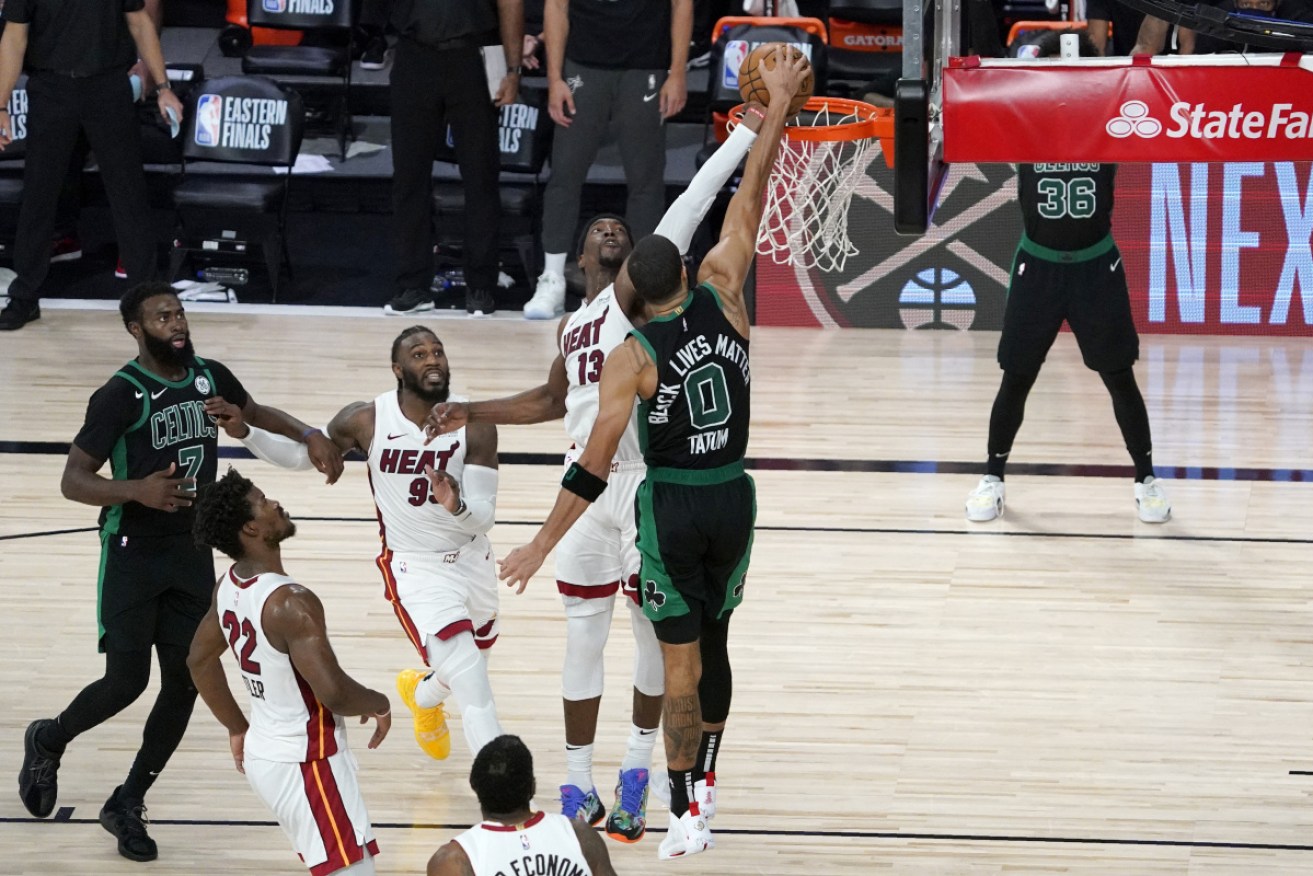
(627, 104)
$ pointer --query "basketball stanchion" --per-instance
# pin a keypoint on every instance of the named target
(824, 155)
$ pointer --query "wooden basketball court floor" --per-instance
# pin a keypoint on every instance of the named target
(1066, 690)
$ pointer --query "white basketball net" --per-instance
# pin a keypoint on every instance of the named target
(804, 221)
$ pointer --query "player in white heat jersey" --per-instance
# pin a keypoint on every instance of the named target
(294, 748)
(435, 504)
(597, 558)
(513, 838)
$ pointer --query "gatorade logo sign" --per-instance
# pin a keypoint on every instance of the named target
(237, 122)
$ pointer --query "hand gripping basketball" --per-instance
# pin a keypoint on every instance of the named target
(753, 84)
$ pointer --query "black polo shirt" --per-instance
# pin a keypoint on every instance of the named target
(448, 24)
(75, 37)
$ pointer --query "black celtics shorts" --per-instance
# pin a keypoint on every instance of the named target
(695, 536)
(1087, 288)
(154, 590)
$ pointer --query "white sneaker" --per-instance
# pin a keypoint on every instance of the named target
(548, 301)
(985, 502)
(704, 791)
(1151, 501)
(688, 835)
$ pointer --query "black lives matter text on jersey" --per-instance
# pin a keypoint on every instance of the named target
(703, 391)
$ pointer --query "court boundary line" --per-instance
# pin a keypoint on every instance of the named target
(841, 530)
(863, 466)
(816, 834)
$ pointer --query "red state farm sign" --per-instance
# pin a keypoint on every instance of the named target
(1127, 111)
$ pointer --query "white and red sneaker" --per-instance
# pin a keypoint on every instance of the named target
(689, 834)
(120, 271)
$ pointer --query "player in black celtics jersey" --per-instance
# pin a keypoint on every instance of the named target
(150, 422)
(1067, 267)
(688, 366)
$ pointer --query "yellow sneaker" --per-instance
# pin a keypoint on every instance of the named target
(430, 724)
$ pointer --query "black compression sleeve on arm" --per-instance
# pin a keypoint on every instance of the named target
(583, 483)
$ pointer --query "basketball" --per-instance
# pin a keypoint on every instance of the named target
(751, 85)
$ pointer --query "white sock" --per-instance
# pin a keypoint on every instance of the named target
(639, 755)
(579, 767)
(431, 692)
(554, 263)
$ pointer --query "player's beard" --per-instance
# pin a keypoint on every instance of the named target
(411, 384)
(612, 263)
(162, 351)
(277, 538)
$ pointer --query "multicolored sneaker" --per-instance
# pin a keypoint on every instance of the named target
(587, 808)
(628, 819)
(688, 835)
(430, 724)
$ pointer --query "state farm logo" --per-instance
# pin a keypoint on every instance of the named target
(1197, 121)
(1134, 119)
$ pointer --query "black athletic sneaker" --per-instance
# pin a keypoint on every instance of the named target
(479, 302)
(126, 819)
(375, 56)
(38, 784)
(409, 301)
(18, 314)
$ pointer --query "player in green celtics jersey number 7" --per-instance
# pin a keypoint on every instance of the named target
(688, 366)
(151, 421)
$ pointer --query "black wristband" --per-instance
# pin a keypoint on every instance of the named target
(583, 483)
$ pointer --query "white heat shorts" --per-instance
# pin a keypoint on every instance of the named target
(319, 806)
(444, 594)
(597, 557)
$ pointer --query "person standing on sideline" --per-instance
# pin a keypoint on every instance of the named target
(294, 749)
(610, 63)
(1068, 268)
(513, 838)
(77, 54)
(688, 366)
(150, 421)
(435, 503)
(598, 558)
(438, 79)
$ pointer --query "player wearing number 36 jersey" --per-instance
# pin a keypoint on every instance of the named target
(1068, 268)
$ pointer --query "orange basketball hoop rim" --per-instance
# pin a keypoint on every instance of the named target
(836, 119)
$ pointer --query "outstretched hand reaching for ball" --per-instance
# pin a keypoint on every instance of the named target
(784, 77)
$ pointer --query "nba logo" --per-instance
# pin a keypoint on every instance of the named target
(209, 119)
(275, 5)
(735, 52)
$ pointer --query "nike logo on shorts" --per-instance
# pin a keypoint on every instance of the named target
(647, 98)
(1115, 264)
